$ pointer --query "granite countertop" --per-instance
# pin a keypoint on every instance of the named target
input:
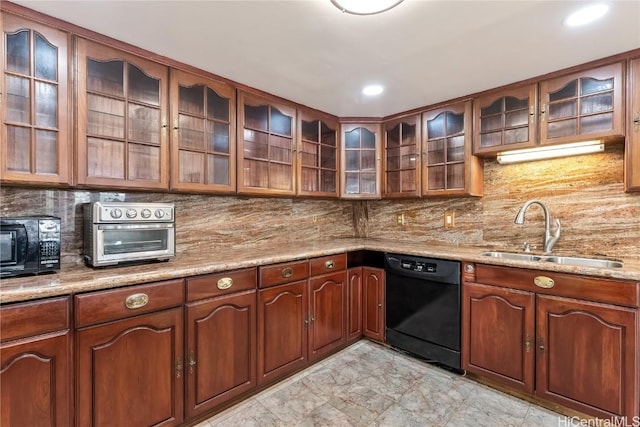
(82, 279)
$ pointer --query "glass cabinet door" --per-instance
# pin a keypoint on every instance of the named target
(402, 157)
(203, 138)
(265, 146)
(506, 120)
(122, 107)
(448, 167)
(361, 161)
(318, 155)
(583, 105)
(35, 132)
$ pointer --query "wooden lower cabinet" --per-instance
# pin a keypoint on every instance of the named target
(580, 354)
(131, 372)
(498, 334)
(354, 307)
(327, 313)
(282, 330)
(373, 307)
(587, 358)
(35, 364)
(221, 350)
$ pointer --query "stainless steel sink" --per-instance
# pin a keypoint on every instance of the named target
(510, 255)
(584, 262)
(566, 260)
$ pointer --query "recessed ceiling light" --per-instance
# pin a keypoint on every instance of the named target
(365, 7)
(373, 90)
(586, 15)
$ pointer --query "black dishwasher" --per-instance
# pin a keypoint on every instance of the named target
(423, 307)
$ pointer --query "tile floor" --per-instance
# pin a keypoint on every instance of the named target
(367, 384)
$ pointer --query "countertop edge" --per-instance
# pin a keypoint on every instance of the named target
(84, 279)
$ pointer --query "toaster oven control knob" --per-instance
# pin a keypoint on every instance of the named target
(159, 213)
(146, 213)
(131, 213)
(116, 213)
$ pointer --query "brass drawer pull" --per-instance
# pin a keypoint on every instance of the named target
(225, 283)
(287, 272)
(136, 301)
(544, 282)
(329, 264)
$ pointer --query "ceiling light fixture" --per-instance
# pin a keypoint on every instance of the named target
(586, 15)
(365, 7)
(373, 90)
(554, 151)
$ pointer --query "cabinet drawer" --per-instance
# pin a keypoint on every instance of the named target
(285, 272)
(327, 264)
(596, 289)
(33, 318)
(213, 285)
(104, 306)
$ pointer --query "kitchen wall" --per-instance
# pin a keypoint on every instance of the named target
(586, 193)
(202, 222)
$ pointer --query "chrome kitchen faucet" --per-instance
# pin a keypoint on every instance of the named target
(549, 241)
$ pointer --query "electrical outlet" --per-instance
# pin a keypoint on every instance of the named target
(401, 219)
(449, 219)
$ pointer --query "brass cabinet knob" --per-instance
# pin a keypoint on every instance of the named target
(544, 282)
(329, 264)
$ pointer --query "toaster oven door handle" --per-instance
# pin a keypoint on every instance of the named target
(155, 226)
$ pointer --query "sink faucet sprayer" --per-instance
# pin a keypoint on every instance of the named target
(549, 240)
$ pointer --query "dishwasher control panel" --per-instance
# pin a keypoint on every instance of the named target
(418, 266)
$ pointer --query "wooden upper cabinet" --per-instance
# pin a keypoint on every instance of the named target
(121, 119)
(35, 103)
(203, 121)
(266, 146)
(360, 161)
(448, 166)
(318, 151)
(582, 105)
(505, 120)
(401, 156)
(632, 149)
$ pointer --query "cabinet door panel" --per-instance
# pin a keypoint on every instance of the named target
(282, 332)
(354, 324)
(632, 149)
(36, 381)
(587, 104)
(35, 104)
(317, 173)
(141, 359)
(361, 165)
(121, 119)
(498, 334)
(327, 296)
(587, 356)
(373, 296)
(221, 350)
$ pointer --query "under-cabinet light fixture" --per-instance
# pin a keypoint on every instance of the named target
(365, 7)
(541, 153)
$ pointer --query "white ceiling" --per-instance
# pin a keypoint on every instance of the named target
(423, 51)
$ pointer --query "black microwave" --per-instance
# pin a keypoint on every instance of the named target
(29, 245)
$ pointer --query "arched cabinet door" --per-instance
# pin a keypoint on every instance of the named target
(401, 157)
(123, 127)
(203, 134)
(585, 356)
(361, 161)
(120, 363)
(584, 105)
(498, 334)
(318, 155)
(266, 146)
(35, 103)
(328, 313)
